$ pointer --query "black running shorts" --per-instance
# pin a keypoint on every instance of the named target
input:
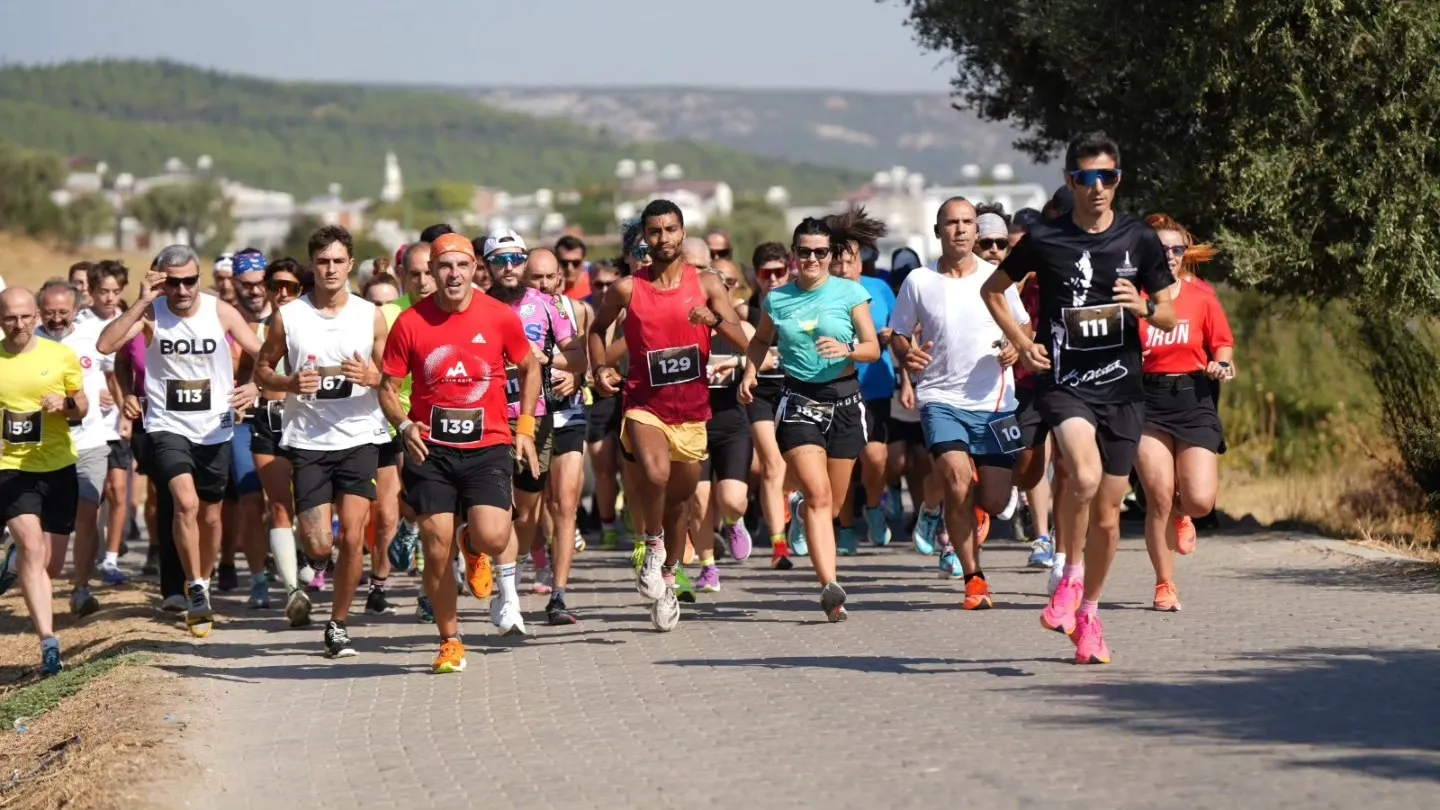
(1117, 425)
(321, 476)
(173, 455)
(730, 446)
(452, 480)
(1183, 406)
(51, 496)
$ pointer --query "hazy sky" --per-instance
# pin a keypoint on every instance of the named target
(840, 44)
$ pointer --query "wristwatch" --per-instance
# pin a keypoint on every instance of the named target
(850, 347)
(1149, 308)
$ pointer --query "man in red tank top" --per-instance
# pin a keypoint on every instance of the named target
(670, 309)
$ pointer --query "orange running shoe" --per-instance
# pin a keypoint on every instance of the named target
(780, 554)
(977, 595)
(982, 526)
(479, 574)
(1184, 535)
(451, 658)
(1167, 597)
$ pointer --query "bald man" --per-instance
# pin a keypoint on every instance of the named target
(696, 252)
(415, 276)
(719, 244)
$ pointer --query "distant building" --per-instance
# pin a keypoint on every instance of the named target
(394, 188)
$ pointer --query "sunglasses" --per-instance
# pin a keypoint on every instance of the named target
(572, 264)
(992, 244)
(820, 254)
(1175, 251)
(175, 283)
(506, 260)
(774, 272)
(731, 283)
(720, 254)
(291, 287)
(1088, 177)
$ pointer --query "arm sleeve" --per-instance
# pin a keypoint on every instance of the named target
(1217, 327)
(1017, 307)
(1020, 261)
(902, 320)
(396, 361)
(1154, 271)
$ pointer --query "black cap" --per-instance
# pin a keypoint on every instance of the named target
(1024, 219)
(1064, 199)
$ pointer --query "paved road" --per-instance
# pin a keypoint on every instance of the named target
(1294, 678)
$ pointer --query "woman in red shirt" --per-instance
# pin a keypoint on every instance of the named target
(1177, 461)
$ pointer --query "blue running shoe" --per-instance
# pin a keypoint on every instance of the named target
(1042, 553)
(423, 611)
(796, 531)
(950, 566)
(927, 525)
(50, 663)
(878, 526)
(847, 544)
(893, 504)
(402, 549)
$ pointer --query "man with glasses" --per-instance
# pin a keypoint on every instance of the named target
(244, 521)
(718, 243)
(192, 393)
(570, 252)
(1088, 265)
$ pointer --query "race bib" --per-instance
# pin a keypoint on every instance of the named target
(187, 396)
(333, 384)
(273, 410)
(512, 385)
(23, 427)
(1097, 327)
(1006, 431)
(457, 425)
(680, 364)
(801, 410)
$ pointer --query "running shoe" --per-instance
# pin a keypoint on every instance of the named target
(1184, 535)
(1059, 615)
(1042, 553)
(152, 563)
(317, 583)
(878, 526)
(451, 658)
(637, 556)
(709, 581)
(1089, 638)
(832, 601)
(738, 542)
(510, 620)
(927, 525)
(50, 663)
(199, 616)
(665, 613)
(557, 613)
(609, 539)
(479, 574)
(297, 608)
(337, 641)
(1052, 582)
(893, 504)
(796, 530)
(950, 566)
(1020, 521)
(259, 593)
(847, 544)
(10, 569)
(376, 604)
(424, 611)
(579, 540)
(227, 578)
(982, 526)
(683, 587)
(83, 603)
(1167, 597)
(650, 582)
(111, 574)
(780, 556)
(403, 547)
(175, 603)
(977, 595)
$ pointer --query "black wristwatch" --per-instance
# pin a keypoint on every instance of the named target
(1149, 308)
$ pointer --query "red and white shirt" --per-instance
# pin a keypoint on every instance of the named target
(1200, 330)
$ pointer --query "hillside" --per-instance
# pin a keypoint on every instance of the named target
(299, 137)
(866, 131)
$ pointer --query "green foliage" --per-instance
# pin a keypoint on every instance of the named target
(85, 217)
(297, 242)
(1406, 369)
(27, 176)
(199, 208)
(301, 137)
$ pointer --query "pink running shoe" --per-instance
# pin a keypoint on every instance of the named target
(1184, 535)
(1090, 640)
(1059, 615)
(737, 537)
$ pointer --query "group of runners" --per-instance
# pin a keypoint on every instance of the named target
(440, 418)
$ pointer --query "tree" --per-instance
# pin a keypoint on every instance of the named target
(27, 177)
(197, 208)
(85, 217)
(297, 242)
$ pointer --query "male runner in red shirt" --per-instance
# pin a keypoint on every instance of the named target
(670, 308)
(456, 344)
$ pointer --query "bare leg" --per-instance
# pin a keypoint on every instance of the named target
(354, 511)
(33, 561)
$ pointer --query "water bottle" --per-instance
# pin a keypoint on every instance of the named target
(309, 365)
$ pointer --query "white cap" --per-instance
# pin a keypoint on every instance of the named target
(501, 240)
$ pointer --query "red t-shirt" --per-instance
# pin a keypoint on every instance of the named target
(458, 364)
(1200, 329)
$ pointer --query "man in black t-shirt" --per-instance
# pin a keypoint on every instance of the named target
(1091, 266)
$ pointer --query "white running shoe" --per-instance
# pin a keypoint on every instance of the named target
(509, 620)
(665, 613)
(651, 582)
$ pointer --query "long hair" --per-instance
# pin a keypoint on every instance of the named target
(855, 225)
(1196, 253)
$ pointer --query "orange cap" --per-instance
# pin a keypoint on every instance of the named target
(452, 243)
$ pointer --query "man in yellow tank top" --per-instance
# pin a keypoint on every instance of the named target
(40, 393)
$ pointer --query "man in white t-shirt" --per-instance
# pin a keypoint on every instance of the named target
(963, 386)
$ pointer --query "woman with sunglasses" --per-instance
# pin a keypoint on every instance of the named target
(772, 271)
(1177, 462)
(823, 327)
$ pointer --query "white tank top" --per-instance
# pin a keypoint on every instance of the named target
(342, 415)
(189, 375)
(574, 412)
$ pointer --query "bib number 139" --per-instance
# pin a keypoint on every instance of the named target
(674, 366)
(457, 425)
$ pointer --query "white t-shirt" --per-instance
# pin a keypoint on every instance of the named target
(965, 368)
(99, 427)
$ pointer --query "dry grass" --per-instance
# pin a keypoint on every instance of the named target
(25, 262)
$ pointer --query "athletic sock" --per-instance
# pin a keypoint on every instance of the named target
(654, 541)
(111, 559)
(558, 593)
(282, 548)
(202, 583)
(1060, 559)
(980, 575)
(1074, 571)
(1088, 607)
(607, 525)
(707, 560)
(377, 583)
(507, 582)
(49, 641)
(778, 543)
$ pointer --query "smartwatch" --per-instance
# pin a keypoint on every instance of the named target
(1149, 308)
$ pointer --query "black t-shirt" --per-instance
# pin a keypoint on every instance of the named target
(1094, 344)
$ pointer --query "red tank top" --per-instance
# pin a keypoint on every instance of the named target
(668, 354)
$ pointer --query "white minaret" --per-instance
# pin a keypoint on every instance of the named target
(394, 187)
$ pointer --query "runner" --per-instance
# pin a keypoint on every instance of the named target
(335, 341)
(1177, 461)
(772, 267)
(458, 444)
(1088, 265)
(41, 387)
(224, 287)
(602, 436)
(190, 390)
(570, 251)
(823, 328)
(245, 519)
(108, 280)
(877, 387)
(669, 308)
(908, 462)
(80, 279)
(963, 385)
(393, 513)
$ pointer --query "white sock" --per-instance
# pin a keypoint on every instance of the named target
(1059, 560)
(202, 583)
(507, 582)
(50, 641)
(282, 547)
(112, 559)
